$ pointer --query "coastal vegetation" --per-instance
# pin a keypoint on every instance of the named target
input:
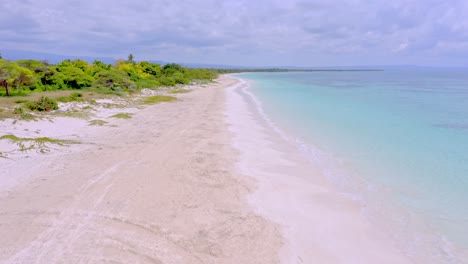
(22, 77)
(122, 116)
(179, 91)
(43, 104)
(97, 122)
(22, 114)
(233, 70)
(158, 99)
(41, 144)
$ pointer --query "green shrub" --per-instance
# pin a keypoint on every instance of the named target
(115, 80)
(148, 83)
(167, 81)
(44, 104)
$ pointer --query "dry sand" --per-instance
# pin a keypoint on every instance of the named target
(158, 188)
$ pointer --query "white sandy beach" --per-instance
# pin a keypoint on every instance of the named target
(200, 180)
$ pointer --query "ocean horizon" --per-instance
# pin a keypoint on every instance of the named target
(397, 141)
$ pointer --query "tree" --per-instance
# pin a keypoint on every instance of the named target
(171, 68)
(33, 65)
(75, 78)
(149, 68)
(78, 63)
(11, 74)
(131, 59)
(113, 79)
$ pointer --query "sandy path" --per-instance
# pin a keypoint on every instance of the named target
(158, 188)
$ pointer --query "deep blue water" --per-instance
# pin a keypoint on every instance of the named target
(404, 133)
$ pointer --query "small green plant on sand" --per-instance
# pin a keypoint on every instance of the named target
(20, 101)
(179, 91)
(97, 122)
(122, 115)
(44, 104)
(41, 144)
(158, 99)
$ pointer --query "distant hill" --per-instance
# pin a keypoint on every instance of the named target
(50, 57)
(55, 58)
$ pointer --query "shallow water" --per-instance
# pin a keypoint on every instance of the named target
(398, 141)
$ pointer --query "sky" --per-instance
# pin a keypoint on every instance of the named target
(244, 32)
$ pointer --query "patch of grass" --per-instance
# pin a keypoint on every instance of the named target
(23, 115)
(18, 111)
(88, 107)
(97, 122)
(179, 91)
(41, 144)
(109, 105)
(75, 114)
(27, 116)
(12, 101)
(158, 99)
(122, 115)
(74, 97)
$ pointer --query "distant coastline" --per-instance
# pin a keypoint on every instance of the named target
(295, 70)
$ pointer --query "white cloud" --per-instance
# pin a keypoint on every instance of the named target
(241, 32)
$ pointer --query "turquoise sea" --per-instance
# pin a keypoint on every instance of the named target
(397, 140)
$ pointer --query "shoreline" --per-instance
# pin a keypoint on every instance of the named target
(319, 222)
(205, 179)
(405, 231)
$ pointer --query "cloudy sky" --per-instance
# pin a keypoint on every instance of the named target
(244, 32)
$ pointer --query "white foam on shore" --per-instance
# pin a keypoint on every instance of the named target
(320, 224)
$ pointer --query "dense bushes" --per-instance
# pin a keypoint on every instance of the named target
(127, 76)
(113, 79)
